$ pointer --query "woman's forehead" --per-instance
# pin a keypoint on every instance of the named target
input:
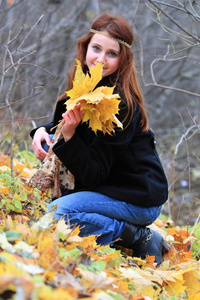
(105, 40)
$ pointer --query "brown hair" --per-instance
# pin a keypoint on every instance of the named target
(125, 77)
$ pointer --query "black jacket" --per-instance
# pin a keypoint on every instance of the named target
(124, 166)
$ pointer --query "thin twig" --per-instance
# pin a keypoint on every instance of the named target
(18, 62)
(173, 89)
(29, 97)
(155, 61)
(135, 12)
(155, 84)
(177, 34)
(193, 119)
(10, 110)
(32, 28)
(5, 136)
(24, 120)
(178, 8)
(174, 21)
(183, 137)
(16, 36)
(188, 155)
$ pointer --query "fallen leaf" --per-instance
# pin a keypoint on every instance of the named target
(23, 281)
(29, 268)
(22, 246)
(95, 281)
(4, 190)
(4, 244)
(62, 227)
(44, 223)
(47, 250)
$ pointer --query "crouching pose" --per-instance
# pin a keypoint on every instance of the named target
(119, 182)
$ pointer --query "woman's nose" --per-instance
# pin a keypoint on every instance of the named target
(101, 59)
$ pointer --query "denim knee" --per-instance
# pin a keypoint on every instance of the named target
(154, 213)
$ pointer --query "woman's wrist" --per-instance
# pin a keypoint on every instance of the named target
(39, 131)
(42, 128)
(67, 138)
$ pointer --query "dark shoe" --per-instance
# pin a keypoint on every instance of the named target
(143, 241)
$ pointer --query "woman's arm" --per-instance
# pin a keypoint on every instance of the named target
(41, 134)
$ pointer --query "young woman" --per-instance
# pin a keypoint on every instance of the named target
(120, 184)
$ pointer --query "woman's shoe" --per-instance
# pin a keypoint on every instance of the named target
(143, 241)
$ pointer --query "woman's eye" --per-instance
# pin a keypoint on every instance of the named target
(96, 48)
(112, 54)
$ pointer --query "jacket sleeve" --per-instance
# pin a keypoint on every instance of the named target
(91, 163)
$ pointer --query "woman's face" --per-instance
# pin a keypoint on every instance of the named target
(103, 49)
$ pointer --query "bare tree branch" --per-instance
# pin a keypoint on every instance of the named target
(10, 110)
(197, 39)
(13, 71)
(29, 32)
(184, 137)
(179, 8)
(24, 120)
(156, 61)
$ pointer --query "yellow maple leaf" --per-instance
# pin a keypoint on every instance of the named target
(18, 167)
(151, 292)
(5, 190)
(94, 77)
(4, 160)
(95, 281)
(47, 250)
(93, 116)
(176, 287)
(100, 105)
(192, 282)
(92, 97)
(104, 108)
(61, 293)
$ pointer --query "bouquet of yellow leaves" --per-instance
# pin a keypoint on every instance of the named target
(100, 106)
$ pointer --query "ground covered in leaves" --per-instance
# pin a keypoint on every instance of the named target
(41, 258)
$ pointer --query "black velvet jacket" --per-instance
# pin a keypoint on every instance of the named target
(124, 166)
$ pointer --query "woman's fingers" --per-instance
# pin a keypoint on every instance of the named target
(40, 153)
(78, 114)
(40, 136)
(72, 119)
(47, 139)
(74, 115)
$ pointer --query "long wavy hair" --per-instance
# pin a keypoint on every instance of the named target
(125, 77)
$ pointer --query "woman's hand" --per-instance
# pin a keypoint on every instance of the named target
(72, 118)
(40, 136)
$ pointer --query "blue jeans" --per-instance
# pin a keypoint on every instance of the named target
(100, 215)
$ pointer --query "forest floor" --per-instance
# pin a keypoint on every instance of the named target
(41, 258)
